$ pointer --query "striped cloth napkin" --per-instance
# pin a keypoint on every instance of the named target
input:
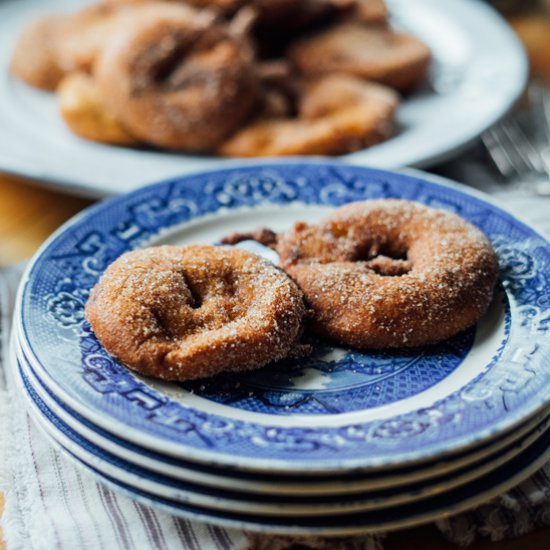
(52, 504)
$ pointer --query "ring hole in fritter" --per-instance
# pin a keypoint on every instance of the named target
(386, 259)
(197, 298)
(159, 62)
(162, 323)
(389, 267)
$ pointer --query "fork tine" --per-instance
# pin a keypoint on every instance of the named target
(545, 152)
(508, 148)
(517, 155)
(521, 162)
(546, 112)
(539, 98)
(525, 149)
(497, 153)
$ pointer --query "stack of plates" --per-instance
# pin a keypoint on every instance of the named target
(338, 443)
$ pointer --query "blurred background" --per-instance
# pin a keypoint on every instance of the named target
(531, 20)
(515, 156)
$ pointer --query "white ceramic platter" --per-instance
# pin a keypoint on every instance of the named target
(477, 73)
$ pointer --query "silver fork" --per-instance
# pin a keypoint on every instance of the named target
(523, 158)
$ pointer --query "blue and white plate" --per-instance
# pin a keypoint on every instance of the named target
(344, 516)
(270, 505)
(217, 497)
(251, 483)
(337, 411)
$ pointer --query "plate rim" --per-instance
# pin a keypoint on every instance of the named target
(215, 459)
(404, 495)
(199, 514)
(348, 484)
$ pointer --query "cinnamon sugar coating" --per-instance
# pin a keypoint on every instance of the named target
(232, 78)
(336, 114)
(54, 46)
(177, 79)
(391, 273)
(85, 112)
(375, 53)
(180, 313)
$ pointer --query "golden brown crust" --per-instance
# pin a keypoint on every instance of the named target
(281, 14)
(175, 80)
(52, 47)
(84, 34)
(336, 114)
(86, 114)
(286, 16)
(391, 273)
(370, 11)
(35, 59)
(371, 52)
(174, 76)
(179, 313)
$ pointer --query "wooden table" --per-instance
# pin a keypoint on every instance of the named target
(28, 214)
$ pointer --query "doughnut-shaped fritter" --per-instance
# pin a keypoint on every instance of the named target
(177, 80)
(85, 113)
(52, 47)
(372, 52)
(391, 273)
(180, 313)
(336, 115)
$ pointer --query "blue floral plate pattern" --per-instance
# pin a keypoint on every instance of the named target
(278, 484)
(304, 505)
(338, 410)
(526, 460)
